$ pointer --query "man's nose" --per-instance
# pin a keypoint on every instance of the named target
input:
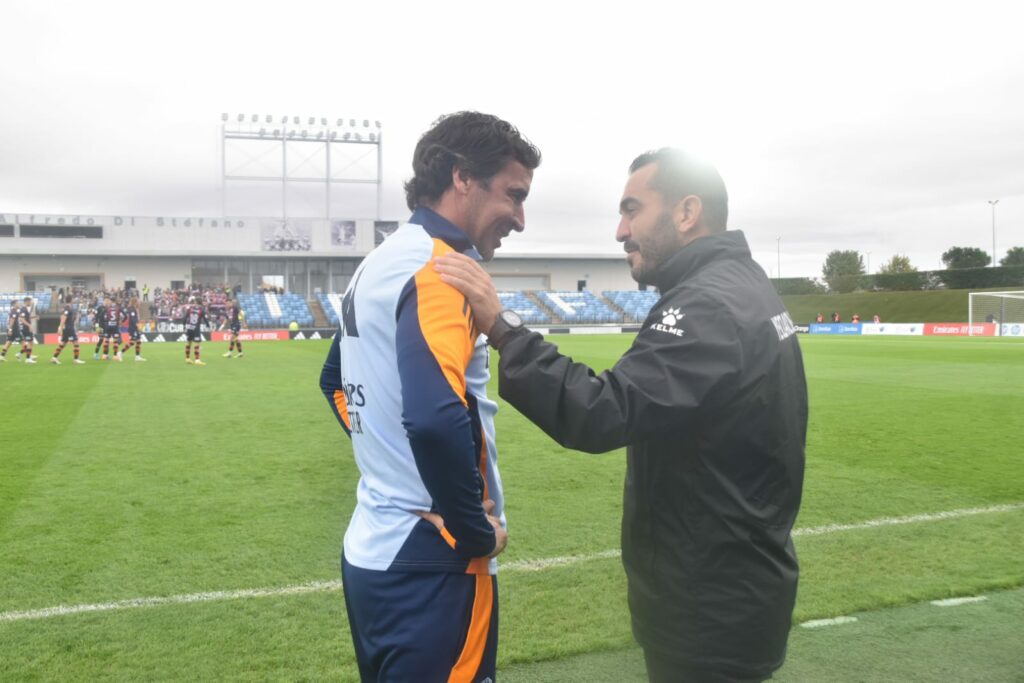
(622, 232)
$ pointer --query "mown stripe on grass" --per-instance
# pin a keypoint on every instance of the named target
(541, 564)
(31, 445)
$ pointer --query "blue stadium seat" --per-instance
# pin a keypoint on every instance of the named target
(580, 307)
(529, 311)
(637, 304)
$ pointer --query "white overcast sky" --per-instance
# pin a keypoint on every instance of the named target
(881, 127)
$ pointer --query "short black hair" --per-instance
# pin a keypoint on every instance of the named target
(478, 144)
(680, 174)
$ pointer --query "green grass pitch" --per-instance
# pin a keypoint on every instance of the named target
(138, 480)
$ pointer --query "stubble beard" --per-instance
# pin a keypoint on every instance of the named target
(655, 249)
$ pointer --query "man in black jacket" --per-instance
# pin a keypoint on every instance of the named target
(711, 403)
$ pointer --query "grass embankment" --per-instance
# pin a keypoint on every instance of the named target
(937, 306)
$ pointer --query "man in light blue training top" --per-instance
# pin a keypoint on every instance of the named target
(406, 376)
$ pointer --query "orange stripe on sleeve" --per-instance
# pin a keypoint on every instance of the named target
(448, 538)
(481, 565)
(476, 639)
(342, 405)
(444, 325)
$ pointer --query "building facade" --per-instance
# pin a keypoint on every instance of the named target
(303, 256)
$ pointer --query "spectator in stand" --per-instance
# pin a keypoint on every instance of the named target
(876, 319)
(820, 318)
(835, 317)
(855, 318)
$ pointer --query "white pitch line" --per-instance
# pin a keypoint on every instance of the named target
(549, 562)
(956, 602)
(513, 567)
(62, 610)
(834, 621)
(910, 519)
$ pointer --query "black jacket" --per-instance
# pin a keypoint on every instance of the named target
(711, 401)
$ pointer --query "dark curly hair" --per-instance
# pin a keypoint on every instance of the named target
(478, 144)
(680, 174)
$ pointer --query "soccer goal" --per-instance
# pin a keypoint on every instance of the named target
(1005, 309)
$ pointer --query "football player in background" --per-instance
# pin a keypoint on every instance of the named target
(195, 316)
(97, 318)
(13, 331)
(25, 321)
(234, 323)
(111, 322)
(131, 318)
(67, 331)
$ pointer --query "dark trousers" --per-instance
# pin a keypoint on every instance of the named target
(661, 669)
(422, 626)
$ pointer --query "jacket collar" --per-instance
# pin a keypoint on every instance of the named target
(439, 227)
(688, 260)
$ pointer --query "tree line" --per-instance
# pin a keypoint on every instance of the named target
(966, 268)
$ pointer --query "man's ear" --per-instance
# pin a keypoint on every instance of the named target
(687, 214)
(460, 180)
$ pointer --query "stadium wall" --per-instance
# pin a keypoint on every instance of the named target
(185, 236)
(318, 254)
(562, 272)
(59, 270)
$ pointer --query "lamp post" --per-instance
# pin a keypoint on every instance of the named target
(992, 203)
(778, 256)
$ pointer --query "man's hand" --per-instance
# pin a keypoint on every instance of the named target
(469, 277)
(500, 535)
(432, 517)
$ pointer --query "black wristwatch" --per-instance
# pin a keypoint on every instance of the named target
(506, 323)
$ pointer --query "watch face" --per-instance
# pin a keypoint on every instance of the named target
(511, 318)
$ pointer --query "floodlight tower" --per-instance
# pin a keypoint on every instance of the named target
(342, 147)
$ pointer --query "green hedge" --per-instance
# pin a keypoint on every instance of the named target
(962, 278)
(899, 282)
(844, 284)
(982, 278)
(798, 285)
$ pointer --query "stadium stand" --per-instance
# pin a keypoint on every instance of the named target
(583, 307)
(636, 304)
(294, 308)
(520, 303)
(580, 307)
(516, 301)
(275, 310)
(331, 303)
(42, 300)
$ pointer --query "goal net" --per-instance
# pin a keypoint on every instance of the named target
(1004, 309)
